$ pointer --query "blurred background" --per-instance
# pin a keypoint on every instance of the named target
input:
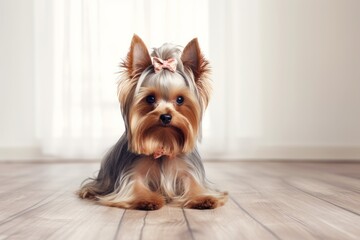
(286, 74)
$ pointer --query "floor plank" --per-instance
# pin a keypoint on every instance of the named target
(228, 222)
(276, 201)
(268, 200)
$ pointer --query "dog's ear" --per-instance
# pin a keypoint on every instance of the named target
(138, 58)
(194, 61)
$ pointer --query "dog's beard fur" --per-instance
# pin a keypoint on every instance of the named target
(154, 162)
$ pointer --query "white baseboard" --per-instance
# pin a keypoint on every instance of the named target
(34, 154)
(19, 153)
(327, 153)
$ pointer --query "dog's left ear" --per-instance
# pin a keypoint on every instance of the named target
(195, 61)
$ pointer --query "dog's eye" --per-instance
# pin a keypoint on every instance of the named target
(150, 99)
(180, 100)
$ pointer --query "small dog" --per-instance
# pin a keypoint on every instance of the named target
(162, 99)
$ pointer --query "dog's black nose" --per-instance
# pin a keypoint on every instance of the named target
(165, 118)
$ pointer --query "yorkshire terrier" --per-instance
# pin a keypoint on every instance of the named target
(162, 99)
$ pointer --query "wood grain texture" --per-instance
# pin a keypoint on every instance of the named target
(268, 200)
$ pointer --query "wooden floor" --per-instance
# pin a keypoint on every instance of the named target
(268, 200)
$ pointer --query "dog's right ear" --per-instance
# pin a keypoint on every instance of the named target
(138, 58)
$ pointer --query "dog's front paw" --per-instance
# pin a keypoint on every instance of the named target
(154, 202)
(203, 202)
(148, 205)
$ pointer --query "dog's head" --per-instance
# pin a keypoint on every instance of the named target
(163, 97)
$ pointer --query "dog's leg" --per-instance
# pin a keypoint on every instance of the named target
(146, 188)
(183, 183)
(146, 199)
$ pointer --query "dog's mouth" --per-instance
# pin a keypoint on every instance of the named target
(163, 139)
(150, 136)
(169, 125)
(169, 130)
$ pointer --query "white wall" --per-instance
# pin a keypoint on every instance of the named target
(311, 72)
(17, 118)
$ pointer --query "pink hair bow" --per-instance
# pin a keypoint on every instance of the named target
(160, 64)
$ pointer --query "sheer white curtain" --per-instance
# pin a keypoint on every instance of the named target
(73, 110)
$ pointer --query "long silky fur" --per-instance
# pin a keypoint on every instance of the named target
(114, 177)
